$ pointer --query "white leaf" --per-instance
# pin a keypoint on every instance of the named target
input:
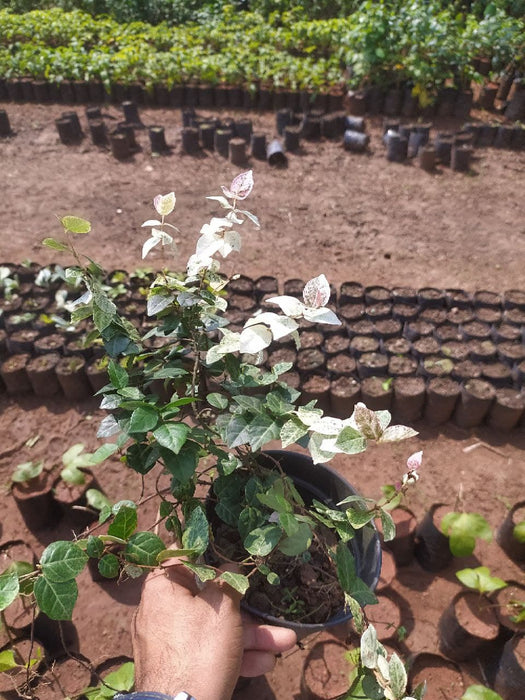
(321, 316)
(164, 203)
(279, 325)
(149, 245)
(231, 241)
(369, 647)
(152, 222)
(317, 452)
(250, 216)
(108, 427)
(328, 426)
(397, 432)
(230, 342)
(382, 665)
(84, 299)
(309, 416)
(157, 303)
(255, 338)
(208, 245)
(241, 186)
(414, 461)
(316, 292)
(216, 225)
(289, 305)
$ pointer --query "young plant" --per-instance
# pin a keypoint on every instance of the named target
(190, 401)
(463, 529)
(480, 579)
(480, 692)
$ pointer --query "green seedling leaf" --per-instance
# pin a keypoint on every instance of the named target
(120, 680)
(7, 660)
(103, 452)
(56, 600)
(55, 245)
(480, 692)
(299, 542)
(27, 471)
(479, 579)
(203, 573)
(61, 561)
(196, 534)
(124, 523)
(143, 548)
(94, 547)
(97, 500)
(9, 588)
(263, 540)
(237, 581)
(172, 436)
(217, 401)
(109, 566)
(143, 419)
(22, 569)
(273, 579)
(463, 529)
(74, 224)
(388, 525)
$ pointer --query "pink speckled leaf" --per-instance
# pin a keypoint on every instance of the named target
(316, 292)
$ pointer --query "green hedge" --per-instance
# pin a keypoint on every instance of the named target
(421, 44)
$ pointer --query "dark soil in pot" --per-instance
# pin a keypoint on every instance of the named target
(19, 615)
(97, 373)
(511, 353)
(345, 392)
(404, 295)
(341, 365)
(466, 370)
(351, 312)
(459, 316)
(425, 347)
(71, 375)
(13, 684)
(498, 374)
(507, 605)
(482, 350)
(388, 328)
(316, 388)
(378, 312)
(13, 372)
(409, 399)
(474, 402)
(376, 295)
(436, 366)
(418, 329)
(442, 396)
(484, 298)
(309, 361)
(376, 393)
(50, 343)
(516, 317)
(315, 582)
(396, 346)
(402, 366)
(362, 327)
(22, 341)
(432, 548)
(35, 502)
(514, 299)
(310, 339)
(282, 355)
(507, 409)
(447, 333)
(434, 315)
(475, 330)
(351, 293)
(405, 312)
(41, 374)
(361, 344)
(72, 500)
(335, 344)
(443, 677)
(455, 351)
(487, 315)
(372, 364)
(431, 297)
(468, 627)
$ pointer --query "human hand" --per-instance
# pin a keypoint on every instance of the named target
(186, 638)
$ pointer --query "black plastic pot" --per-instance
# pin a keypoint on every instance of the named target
(326, 485)
(275, 154)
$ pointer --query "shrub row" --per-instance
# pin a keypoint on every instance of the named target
(377, 44)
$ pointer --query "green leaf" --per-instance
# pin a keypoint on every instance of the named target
(359, 518)
(172, 436)
(21, 569)
(9, 588)
(196, 533)
(7, 660)
(345, 564)
(55, 245)
(518, 532)
(238, 581)
(262, 540)
(299, 542)
(96, 499)
(480, 692)
(142, 457)
(388, 525)
(27, 471)
(124, 523)
(203, 573)
(117, 375)
(143, 419)
(74, 224)
(217, 400)
(122, 679)
(292, 431)
(398, 675)
(273, 579)
(480, 579)
(143, 548)
(95, 547)
(109, 566)
(350, 441)
(463, 529)
(61, 561)
(103, 452)
(56, 600)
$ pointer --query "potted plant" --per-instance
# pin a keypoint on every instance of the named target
(209, 431)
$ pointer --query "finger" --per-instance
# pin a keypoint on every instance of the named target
(268, 638)
(170, 573)
(257, 663)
